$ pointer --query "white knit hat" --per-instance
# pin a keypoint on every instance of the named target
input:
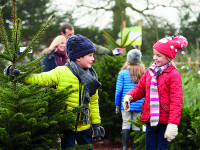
(134, 56)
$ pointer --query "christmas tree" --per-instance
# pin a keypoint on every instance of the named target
(31, 117)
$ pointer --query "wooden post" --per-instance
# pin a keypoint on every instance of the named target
(124, 24)
(189, 60)
(123, 27)
(139, 24)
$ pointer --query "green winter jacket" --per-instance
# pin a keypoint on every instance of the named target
(61, 77)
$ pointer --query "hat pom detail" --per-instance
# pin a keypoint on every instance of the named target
(182, 41)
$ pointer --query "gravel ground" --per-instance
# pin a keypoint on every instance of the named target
(105, 145)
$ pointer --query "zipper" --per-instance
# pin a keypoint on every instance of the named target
(80, 90)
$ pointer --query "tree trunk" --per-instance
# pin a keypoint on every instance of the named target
(117, 9)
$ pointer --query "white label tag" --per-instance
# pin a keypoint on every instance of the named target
(21, 49)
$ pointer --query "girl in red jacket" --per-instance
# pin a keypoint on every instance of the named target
(161, 86)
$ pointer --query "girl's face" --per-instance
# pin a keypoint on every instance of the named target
(86, 61)
(159, 58)
(61, 46)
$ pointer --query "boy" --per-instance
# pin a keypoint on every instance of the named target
(79, 73)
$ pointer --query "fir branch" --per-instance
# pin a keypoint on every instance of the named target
(67, 92)
(6, 57)
(29, 91)
(29, 94)
(14, 30)
(24, 135)
(132, 42)
(109, 39)
(124, 40)
(28, 48)
(31, 104)
(14, 13)
(122, 25)
(5, 78)
(7, 103)
(4, 134)
(4, 37)
(25, 74)
(31, 64)
(8, 94)
(16, 37)
(39, 113)
(5, 116)
(29, 72)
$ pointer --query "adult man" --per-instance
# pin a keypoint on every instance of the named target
(67, 30)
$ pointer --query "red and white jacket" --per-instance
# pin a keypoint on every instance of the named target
(170, 95)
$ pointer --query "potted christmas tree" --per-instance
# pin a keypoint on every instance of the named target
(30, 117)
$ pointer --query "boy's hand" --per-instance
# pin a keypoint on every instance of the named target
(9, 71)
(126, 103)
(171, 131)
(99, 131)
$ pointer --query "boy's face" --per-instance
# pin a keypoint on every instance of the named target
(159, 58)
(86, 61)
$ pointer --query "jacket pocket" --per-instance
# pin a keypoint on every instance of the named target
(165, 107)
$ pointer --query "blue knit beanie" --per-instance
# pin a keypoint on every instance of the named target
(78, 46)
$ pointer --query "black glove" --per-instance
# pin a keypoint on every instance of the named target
(98, 131)
(117, 109)
(9, 71)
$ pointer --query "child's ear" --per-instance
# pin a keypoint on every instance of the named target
(78, 60)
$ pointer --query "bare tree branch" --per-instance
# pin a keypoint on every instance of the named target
(99, 9)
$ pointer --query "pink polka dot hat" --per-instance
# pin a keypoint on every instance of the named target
(171, 45)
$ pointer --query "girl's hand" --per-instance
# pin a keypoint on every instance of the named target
(127, 106)
(126, 103)
(171, 131)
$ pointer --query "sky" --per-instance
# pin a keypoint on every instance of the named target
(104, 20)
